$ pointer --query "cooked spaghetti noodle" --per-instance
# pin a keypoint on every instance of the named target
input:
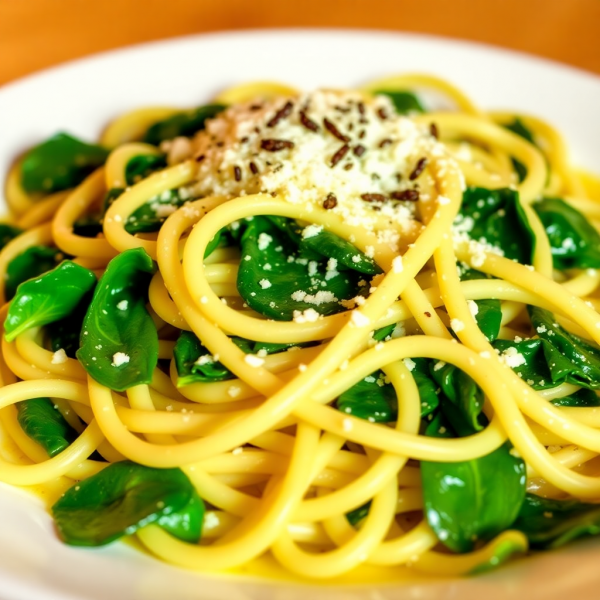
(294, 461)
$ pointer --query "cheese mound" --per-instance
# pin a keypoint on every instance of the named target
(342, 150)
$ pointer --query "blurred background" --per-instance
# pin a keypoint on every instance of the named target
(35, 34)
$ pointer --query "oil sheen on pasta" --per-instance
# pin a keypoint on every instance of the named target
(329, 335)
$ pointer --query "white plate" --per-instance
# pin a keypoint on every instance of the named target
(82, 96)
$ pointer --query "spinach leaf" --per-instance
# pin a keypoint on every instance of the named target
(60, 163)
(469, 500)
(45, 425)
(580, 398)
(110, 197)
(497, 217)
(405, 103)
(463, 398)
(553, 523)
(48, 298)
(88, 226)
(379, 335)
(518, 127)
(276, 278)
(473, 500)
(574, 242)
(152, 214)
(530, 353)
(569, 357)
(8, 233)
(139, 167)
(358, 514)
(31, 263)
(119, 342)
(125, 497)
(371, 399)
(428, 388)
(195, 364)
(489, 318)
(489, 312)
(332, 246)
(149, 217)
(65, 333)
(185, 123)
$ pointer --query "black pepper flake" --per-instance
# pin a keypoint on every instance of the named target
(307, 122)
(434, 131)
(373, 197)
(282, 113)
(385, 142)
(245, 139)
(359, 150)
(382, 114)
(427, 313)
(330, 202)
(253, 168)
(361, 135)
(220, 144)
(200, 158)
(237, 173)
(335, 159)
(410, 195)
(272, 145)
(334, 130)
(421, 164)
(361, 108)
(255, 106)
(348, 166)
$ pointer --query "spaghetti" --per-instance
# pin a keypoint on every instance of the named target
(387, 357)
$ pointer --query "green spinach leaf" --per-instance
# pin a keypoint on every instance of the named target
(473, 500)
(569, 357)
(463, 398)
(405, 103)
(489, 318)
(125, 497)
(139, 167)
(119, 342)
(60, 163)
(581, 398)
(33, 262)
(195, 364)
(358, 514)
(45, 425)
(152, 214)
(8, 233)
(518, 127)
(553, 523)
(276, 278)
(331, 246)
(429, 390)
(185, 123)
(65, 333)
(48, 298)
(497, 217)
(574, 242)
(371, 399)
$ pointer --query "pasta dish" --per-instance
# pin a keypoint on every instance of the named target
(331, 333)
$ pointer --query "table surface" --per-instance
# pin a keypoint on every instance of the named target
(35, 34)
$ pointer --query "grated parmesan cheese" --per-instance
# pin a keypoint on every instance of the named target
(119, 358)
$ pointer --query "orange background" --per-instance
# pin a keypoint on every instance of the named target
(35, 34)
